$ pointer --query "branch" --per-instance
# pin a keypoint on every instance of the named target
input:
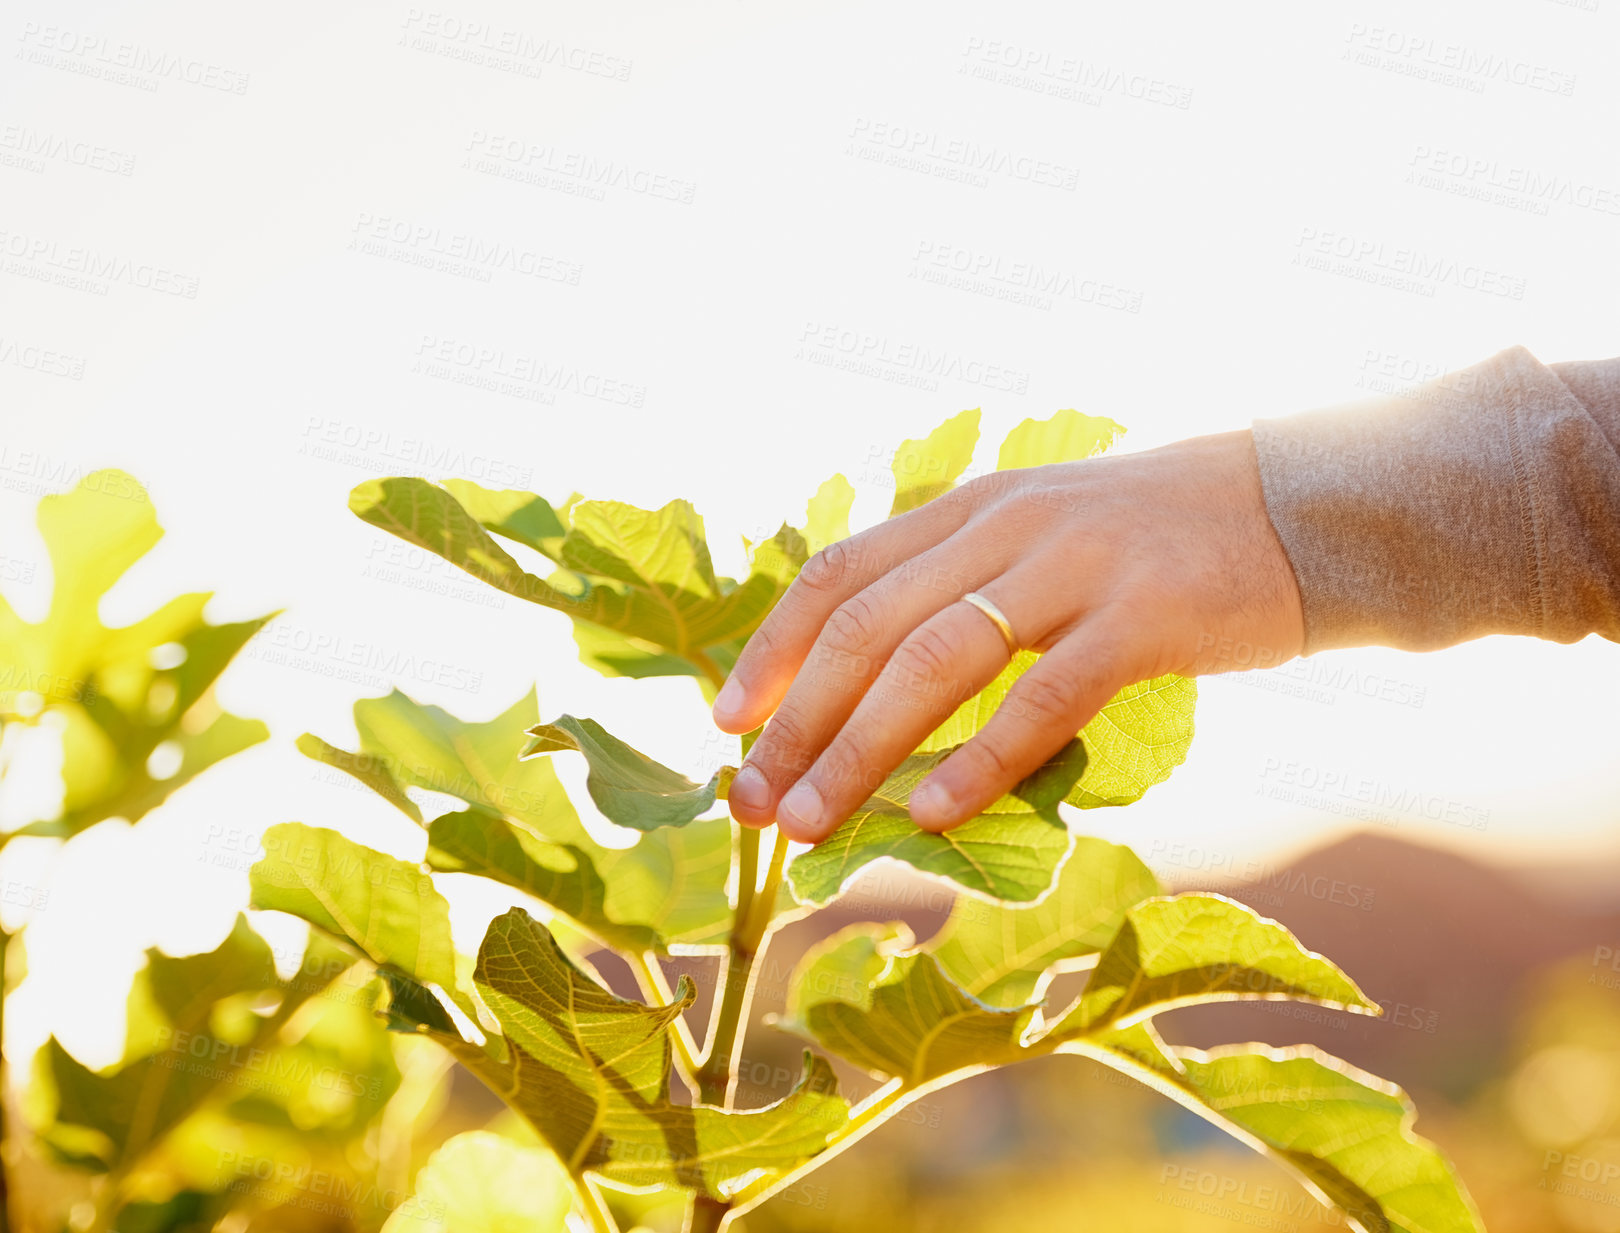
(716, 1077)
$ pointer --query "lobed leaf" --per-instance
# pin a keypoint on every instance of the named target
(867, 996)
(369, 769)
(1133, 743)
(1193, 948)
(121, 692)
(108, 1121)
(480, 1182)
(1009, 852)
(1067, 436)
(1000, 953)
(668, 889)
(827, 513)
(926, 467)
(644, 576)
(1346, 1135)
(522, 517)
(629, 788)
(387, 909)
(591, 1074)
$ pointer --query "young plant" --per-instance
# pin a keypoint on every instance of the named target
(591, 1072)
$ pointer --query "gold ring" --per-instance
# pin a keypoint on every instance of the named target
(998, 617)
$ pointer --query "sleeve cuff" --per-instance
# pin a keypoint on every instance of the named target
(1432, 517)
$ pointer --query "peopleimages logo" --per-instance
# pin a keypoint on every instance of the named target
(927, 149)
(1020, 282)
(428, 245)
(1541, 188)
(1421, 56)
(33, 148)
(1043, 72)
(96, 55)
(94, 270)
(498, 46)
(1397, 266)
(516, 159)
(821, 342)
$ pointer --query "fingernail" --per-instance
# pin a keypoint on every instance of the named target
(799, 814)
(730, 699)
(749, 789)
(933, 802)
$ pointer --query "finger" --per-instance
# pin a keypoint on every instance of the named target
(1043, 710)
(946, 660)
(774, 652)
(848, 655)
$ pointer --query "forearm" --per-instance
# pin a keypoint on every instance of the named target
(1487, 501)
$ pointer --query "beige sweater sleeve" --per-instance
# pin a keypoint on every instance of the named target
(1485, 502)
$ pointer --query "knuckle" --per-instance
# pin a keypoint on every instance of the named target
(992, 758)
(855, 626)
(827, 570)
(841, 773)
(763, 643)
(786, 745)
(1046, 696)
(928, 652)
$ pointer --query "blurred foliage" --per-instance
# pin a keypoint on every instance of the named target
(133, 703)
(271, 1102)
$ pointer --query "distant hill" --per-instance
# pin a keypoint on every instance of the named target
(1442, 942)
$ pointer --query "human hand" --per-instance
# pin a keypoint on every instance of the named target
(1118, 569)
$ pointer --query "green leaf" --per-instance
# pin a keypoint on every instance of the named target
(120, 692)
(1134, 742)
(667, 890)
(926, 467)
(1067, 436)
(387, 909)
(426, 747)
(629, 788)
(827, 514)
(519, 516)
(999, 954)
(1345, 1134)
(369, 769)
(1009, 852)
(561, 876)
(111, 1120)
(480, 1182)
(429, 517)
(173, 995)
(645, 575)
(674, 882)
(591, 1074)
(1194, 948)
(870, 998)
(615, 654)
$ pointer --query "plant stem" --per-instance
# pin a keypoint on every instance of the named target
(877, 1109)
(707, 1215)
(710, 669)
(715, 1077)
(764, 905)
(590, 1203)
(655, 988)
(747, 870)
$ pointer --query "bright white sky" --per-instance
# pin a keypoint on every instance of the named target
(1167, 163)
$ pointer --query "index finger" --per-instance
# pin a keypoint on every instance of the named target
(777, 649)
